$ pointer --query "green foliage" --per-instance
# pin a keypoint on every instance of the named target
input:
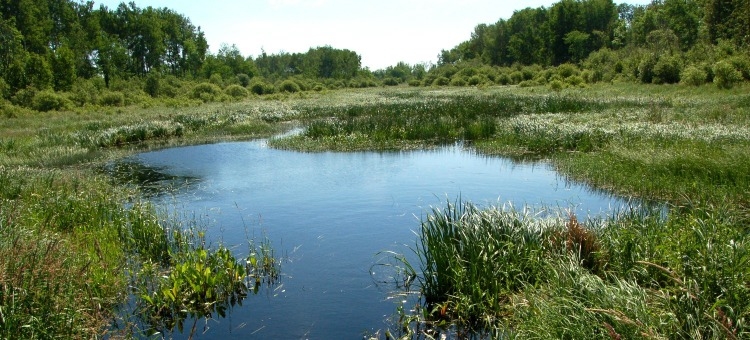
(243, 79)
(112, 98)
(48, 100)
(556, 85)
(467, 255)
(207, 92)
(415, 82)
(646, 68)
(693, 75)
(741, 63)
(458, 81)
(260, 87)
(441, 81)
(152, 85)
(390, 81)
(289, 86)
(236, 91)
(725, 75)
(667, 70)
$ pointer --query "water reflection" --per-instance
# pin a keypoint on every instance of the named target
(150, 180)
(331, 213)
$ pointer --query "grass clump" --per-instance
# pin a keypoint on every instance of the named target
(497, 272)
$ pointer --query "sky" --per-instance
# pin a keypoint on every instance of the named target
(382, 32)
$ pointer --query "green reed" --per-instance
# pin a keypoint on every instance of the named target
(499, 272)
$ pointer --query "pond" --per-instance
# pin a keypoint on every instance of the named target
(329, 214)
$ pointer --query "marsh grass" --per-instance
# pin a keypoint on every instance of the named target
(497, 272)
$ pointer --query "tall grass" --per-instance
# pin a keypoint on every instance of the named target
(498, 272)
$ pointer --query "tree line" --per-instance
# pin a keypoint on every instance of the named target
(570, 30)
(86, 53)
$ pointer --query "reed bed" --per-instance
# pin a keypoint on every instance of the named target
(498, 272)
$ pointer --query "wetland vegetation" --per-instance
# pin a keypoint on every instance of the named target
(645, 101)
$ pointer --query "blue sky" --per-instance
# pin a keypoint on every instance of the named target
(382, 32)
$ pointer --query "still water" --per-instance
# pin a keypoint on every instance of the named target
(329, 214)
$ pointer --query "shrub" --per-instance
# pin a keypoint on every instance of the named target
(592, 76)
(206, 92)
(25, 97)
(289, 86)
(516, 77)
(646, 69)
(114, 98)
(528, 83)
(390, 81)
(556, 85)
(414, 82)
(259, 87)
(693, 76)
(216, 79)
(725, 75)
(530, 72)
(742, 64)
(243, 79)
(441, 81)
(85, 91)
(567, 70)
(49, 100)
(4, 89)
(503, 79)
(574, 80)
(667, 70)
(458, 81)
(152, 86)
(477, 80)
(236, 91)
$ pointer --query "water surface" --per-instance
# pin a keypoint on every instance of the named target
(329, 213)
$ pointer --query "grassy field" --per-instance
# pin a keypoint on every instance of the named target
(69, 244)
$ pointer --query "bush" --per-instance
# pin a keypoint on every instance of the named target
(478, 80)
(114, 98)
(216, 79)
(441, 81)
(502, 79)
(236, 91)
(152, 86)
(516, 77)
(206, 92)
(693, 76)
(667, 70)
(243, 79)
(458, 81)
(742, 64)
(4, 89)
(390, 81)
(556, 85)
(49, 100)
(574, 80)
(567, 70)
(414, 82)
(25, 97)
(289, 86)
(86, 91)
(646, 69)
(260, 87)
(530, 72)
(725, 75)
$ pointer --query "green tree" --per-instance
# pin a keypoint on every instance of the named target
(63, 65)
